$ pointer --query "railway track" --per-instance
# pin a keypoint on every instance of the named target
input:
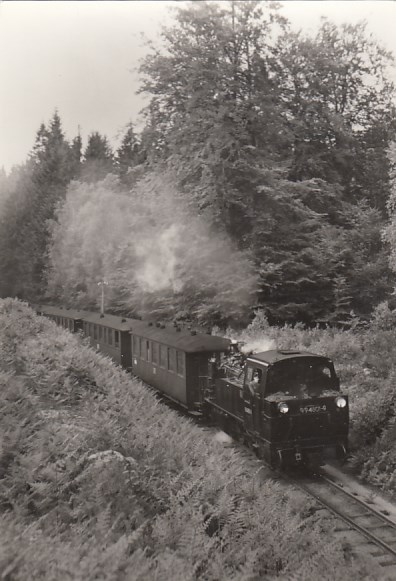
(365, 526)
(365, 521)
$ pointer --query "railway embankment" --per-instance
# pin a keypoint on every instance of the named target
(98, 480)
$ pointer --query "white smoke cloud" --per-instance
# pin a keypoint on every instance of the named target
(149, 244)
(158, 256)
(258, 345)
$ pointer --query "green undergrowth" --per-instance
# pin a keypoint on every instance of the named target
(98, 480)
(365, 361)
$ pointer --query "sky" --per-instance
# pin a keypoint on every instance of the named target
(81, 58)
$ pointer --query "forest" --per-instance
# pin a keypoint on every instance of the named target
(262, 179)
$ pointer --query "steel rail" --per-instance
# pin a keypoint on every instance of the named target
(349, 519)
(358, 500)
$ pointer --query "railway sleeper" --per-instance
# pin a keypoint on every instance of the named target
(380, 526)
(390, 563)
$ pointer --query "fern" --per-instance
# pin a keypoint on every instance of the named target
(117, 486)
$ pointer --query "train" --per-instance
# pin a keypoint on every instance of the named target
(286, 404)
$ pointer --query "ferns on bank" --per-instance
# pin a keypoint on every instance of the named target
(100, 481)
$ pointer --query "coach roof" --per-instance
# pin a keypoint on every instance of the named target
(60, 312)
(181, 339)
(112, 321)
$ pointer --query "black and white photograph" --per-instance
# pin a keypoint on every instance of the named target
(197, 290)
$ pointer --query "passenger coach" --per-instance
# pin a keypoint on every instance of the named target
(111, 335)
(176, 361)
(67, 318)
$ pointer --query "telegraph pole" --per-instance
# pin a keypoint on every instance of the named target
(102, 284)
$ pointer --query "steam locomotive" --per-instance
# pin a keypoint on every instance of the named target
(285, 404)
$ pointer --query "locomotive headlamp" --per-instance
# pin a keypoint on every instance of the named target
(283, 407)
(340, 402)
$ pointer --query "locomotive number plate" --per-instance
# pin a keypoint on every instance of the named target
(313, 409)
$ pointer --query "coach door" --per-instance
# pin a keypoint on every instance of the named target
(252, 398)
(126, 349)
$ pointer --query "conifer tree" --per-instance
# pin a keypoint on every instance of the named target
(98, 158)
(41, 184)
(76, 156)
(128, 155)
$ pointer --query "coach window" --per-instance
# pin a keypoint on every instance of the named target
(100, 333)
(163, 356)
(172, 359)
(136, 346)
(155, 353)
(116, 338)
(142, 348)
(95, 332)
(180, 362)
(110, 336)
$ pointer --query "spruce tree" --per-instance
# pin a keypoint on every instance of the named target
(76, 156)
(128, 155)
(40, 186)
(98, 159)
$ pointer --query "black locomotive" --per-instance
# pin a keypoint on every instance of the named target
(286, 404)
